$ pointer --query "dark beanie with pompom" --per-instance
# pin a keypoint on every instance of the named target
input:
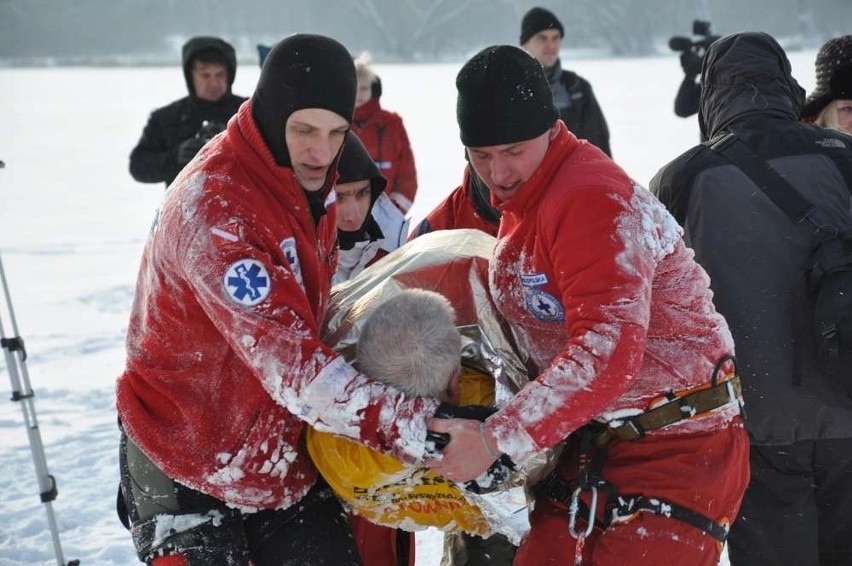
(539, 19)
(302, 71)
(503, 97)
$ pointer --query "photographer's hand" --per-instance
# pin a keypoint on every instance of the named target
(187, 150)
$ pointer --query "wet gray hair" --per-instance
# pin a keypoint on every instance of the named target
(411, 342)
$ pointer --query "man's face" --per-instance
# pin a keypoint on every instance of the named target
(209, 80)
(545, 46)
(353, 204)
(364, 92)
(504, 168)
(313, 137)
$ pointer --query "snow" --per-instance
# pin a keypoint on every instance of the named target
(72, 226)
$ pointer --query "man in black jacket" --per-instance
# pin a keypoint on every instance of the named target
(541, 37)
(176, 132)
(796, 508)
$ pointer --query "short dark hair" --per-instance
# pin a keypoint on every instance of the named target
(211, 56)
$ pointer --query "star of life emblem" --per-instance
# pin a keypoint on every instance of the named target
(247, 282)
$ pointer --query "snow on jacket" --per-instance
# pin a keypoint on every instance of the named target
(224, 361)
(387, 141)
(465, 207)
(755, 255)
(155, 157)
(617, 310)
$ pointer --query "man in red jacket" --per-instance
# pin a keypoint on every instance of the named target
(385, 137)
(225, 366)
(636, 389)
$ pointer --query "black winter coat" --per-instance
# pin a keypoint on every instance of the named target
(755, 255)
(154, 159)
(581, 111)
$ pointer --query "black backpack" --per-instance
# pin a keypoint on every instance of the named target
(829, 278)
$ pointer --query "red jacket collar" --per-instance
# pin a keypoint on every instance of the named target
(367, 110)
(531, 192)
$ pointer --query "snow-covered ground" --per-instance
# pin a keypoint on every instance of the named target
(72, 226)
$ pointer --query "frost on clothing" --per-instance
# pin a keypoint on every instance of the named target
(217, 388)
(604, 339)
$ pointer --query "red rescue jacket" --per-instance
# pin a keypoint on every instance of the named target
(224, 363)
(386, 140)
(617, 310)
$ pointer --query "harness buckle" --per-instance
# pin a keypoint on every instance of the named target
(574, 509)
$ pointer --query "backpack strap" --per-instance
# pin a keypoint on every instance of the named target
(779, 190)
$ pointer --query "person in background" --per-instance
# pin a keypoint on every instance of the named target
(830, 103)
(225, 365)
(384, 136)
(634, 376)
(796, 507)
(369, 225)
(541, 37)
(175, 133)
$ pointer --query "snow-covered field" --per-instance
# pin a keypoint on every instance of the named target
(72, 226)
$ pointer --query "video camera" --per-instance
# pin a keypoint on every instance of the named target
(694, 48)
(208, 130)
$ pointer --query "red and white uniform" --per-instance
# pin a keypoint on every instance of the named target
(224, 361)
(618, 314)
(386, 140)
(455, 212)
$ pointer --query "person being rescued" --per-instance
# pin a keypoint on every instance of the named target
(414, 339)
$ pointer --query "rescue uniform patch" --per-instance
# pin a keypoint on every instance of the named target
(247, 282)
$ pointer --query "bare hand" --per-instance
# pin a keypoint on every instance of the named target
(466, 457)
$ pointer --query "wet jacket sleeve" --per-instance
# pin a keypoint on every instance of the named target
(277, 339)
(603, 274)
(153, 160)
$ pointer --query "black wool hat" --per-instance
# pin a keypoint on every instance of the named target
(503, 97)
(539, 19)
(302, 71)
(833, 76)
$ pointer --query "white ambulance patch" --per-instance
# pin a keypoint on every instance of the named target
(544, 306)
(247, 282)
(533, 280)
(288, 246)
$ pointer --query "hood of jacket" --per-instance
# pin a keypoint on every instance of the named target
(745, 75)
(192, 47)
(356, 165)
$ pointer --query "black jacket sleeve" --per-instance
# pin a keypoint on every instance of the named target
(594, 123)
(154, 159)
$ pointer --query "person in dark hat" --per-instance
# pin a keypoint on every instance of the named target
(175, 133)
(761, 267)
(369, 224)
(830, 103)
(225, 367)
(541, 36)
(622, 337)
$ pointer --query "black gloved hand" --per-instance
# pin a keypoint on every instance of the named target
(690, 62)
(187, 150)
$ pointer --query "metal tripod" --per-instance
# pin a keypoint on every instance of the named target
(16, 355)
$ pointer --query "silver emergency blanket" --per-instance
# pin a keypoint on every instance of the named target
(453, 263)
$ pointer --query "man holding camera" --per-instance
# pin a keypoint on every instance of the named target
(175, 133)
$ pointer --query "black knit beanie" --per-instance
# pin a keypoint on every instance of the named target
(833, 76)
(503, 97)
(539, 19)
(302, 71)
